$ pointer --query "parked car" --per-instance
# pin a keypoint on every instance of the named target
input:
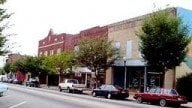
(3, 88)
(16, 81)
(111, 91)
(33, 82)
(162, 96)
(10, 80)
(71, 85)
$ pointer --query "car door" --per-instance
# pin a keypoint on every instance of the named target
(100, 91)
(157, 95)
(107, 90)
(149, 96)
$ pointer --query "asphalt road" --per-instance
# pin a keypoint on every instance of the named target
(28, 97)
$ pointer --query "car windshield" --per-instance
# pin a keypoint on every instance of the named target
(173, 92)
(118, 87)
(72, 81)
(170, 91)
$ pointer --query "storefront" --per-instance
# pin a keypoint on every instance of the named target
(136, 75)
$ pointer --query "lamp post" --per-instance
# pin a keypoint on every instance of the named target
(125, 77)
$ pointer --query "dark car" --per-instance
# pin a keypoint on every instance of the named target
(111, 91)
(162, 96)
(32, 82)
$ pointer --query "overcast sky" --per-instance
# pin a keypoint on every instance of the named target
(32, 19)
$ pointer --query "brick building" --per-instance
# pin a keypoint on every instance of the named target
(56, 43)
(131, 72)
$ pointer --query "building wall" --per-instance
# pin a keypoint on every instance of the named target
(51, 44)
(121, 32)
(56, 43)
(186, 16)
(14, 57)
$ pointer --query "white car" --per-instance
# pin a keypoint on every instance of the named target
(71, 85)
(3, 88)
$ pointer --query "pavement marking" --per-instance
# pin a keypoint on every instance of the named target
(14, 106)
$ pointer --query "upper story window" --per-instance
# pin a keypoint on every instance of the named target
(43, 43)
(58, 50)
(55, 39)
(41, 53)
(76, 48)
(51, 52)
(117, 46)
(46, 53)
(129, 49)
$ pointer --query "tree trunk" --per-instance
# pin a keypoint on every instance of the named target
(169, 78)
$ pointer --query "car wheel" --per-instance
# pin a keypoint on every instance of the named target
(177, 105)
(139, 100)
(68, 90)
(109, 96)
(162, 102)
(94, 94)
(60, 89)
(1, 94)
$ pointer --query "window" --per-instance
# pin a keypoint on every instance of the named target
(158, 91)
(173, 92)
(76, 48)
(117, 46)
(45, 53)
(152, 90)
(102, 87)
(41, 53)
(51, 52)
(108, 87)
(129, 49)
(55, 39)
(58, 50)
(72, 81)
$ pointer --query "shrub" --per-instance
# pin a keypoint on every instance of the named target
(184, 86)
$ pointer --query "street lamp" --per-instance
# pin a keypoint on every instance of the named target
(125, 77)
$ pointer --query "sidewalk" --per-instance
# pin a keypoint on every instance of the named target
(131, 94)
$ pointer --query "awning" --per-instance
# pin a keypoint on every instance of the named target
(81, 70)
(130, 62)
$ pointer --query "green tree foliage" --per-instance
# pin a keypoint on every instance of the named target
(3, 16)
(2, 72)
(34, 65)
(184, 86)
(59, 63)
(19, 65)
(8, 67)
(95, 53)
(164, 39)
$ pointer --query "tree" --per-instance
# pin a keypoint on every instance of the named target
(7, 67)
(3, 39)
(164, 39)
(34, 65)
(59, 63)
(2, 72)
(95, 53)
(19, 65)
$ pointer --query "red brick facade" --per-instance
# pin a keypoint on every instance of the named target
(56, 43)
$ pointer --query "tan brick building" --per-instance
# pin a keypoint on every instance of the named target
(126, 42)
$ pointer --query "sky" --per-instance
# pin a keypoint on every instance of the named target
(32, 19)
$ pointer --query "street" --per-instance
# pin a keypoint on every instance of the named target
(27, 97)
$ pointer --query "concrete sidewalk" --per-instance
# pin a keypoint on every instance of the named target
(89, 92)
